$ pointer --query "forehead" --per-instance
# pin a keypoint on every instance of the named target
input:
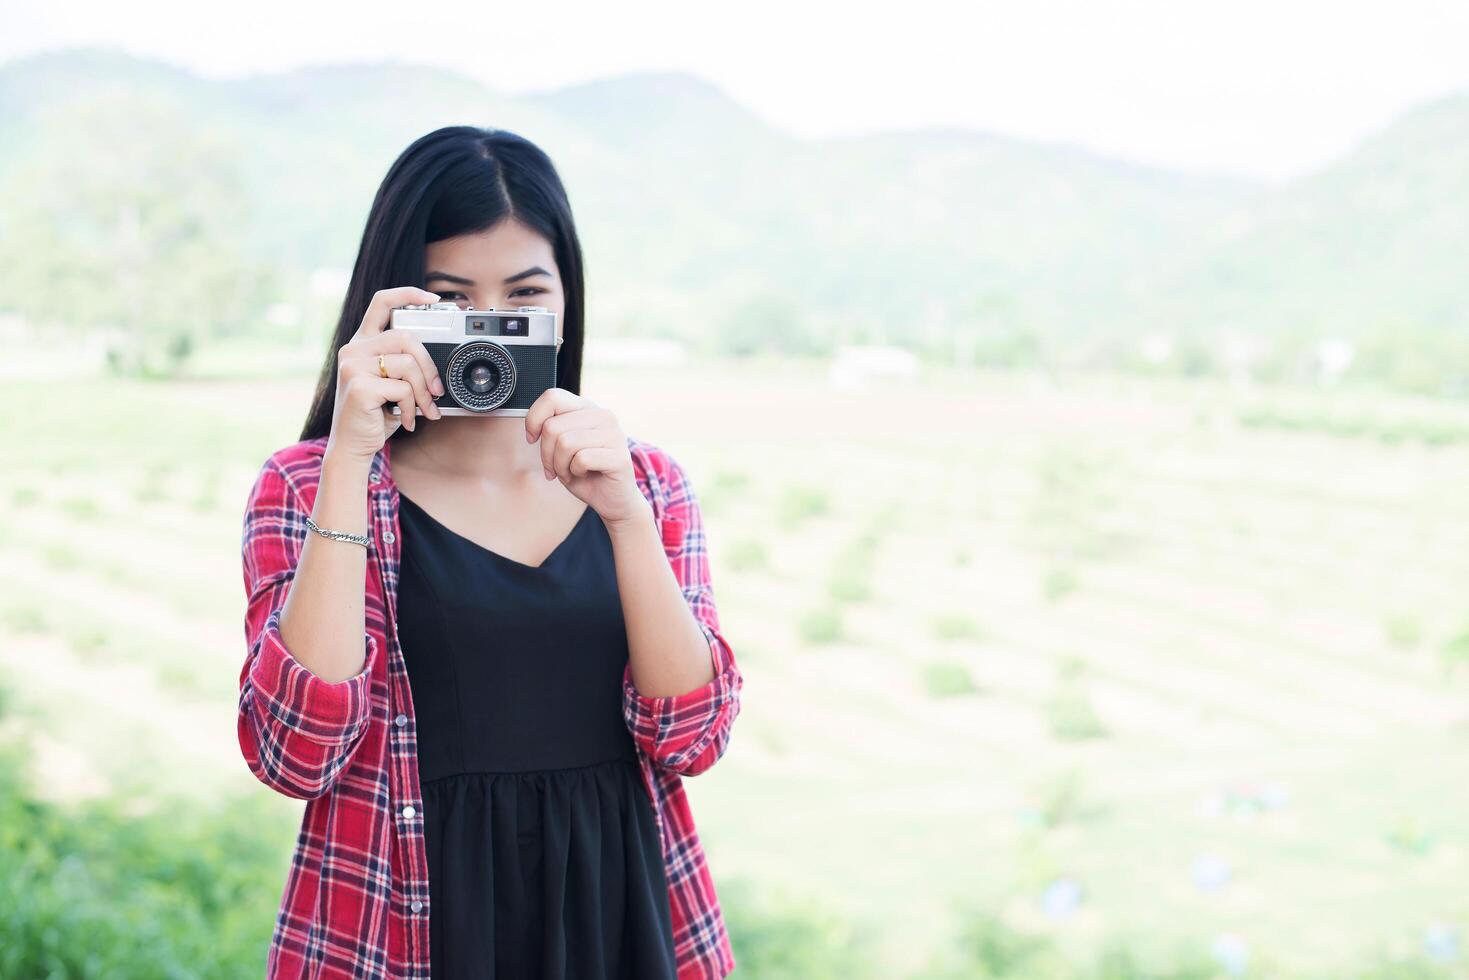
(508, 248)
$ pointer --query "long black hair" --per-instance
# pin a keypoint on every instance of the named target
(455, 181)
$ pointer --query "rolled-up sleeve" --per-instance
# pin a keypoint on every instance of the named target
(687, 733)
(297, 730)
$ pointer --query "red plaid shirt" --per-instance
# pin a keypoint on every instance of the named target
(356, 897)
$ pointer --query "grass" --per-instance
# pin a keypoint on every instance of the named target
(1380, 423)
(1167, 614)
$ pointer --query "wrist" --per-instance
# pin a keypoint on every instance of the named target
(640, 516)
(346, 466)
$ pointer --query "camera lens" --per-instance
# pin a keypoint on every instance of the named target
(481, 376)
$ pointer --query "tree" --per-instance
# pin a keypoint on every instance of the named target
(125, 221)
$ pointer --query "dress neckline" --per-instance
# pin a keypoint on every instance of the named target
(561, 546)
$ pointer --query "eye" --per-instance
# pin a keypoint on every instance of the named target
(454, 297)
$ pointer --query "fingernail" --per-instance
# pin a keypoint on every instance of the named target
(438, 386)
(550, 475)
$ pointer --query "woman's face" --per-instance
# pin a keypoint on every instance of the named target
(508, 266)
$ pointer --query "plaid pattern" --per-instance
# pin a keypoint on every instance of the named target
(356, 897)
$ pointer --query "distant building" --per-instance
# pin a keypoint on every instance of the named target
(1156, 348)
(859, 366)
(1328, 359)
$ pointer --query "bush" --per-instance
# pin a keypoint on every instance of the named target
(747, 555)
(1071, 714)
(1061, 800)
(850, 583)
(947, 678)
(1058, 582)
(1455, 652)
(822, 625)
(800, 503)
(786, 937)
(1402, 631)
(725, 486)
(851, 577)
(956, 626)
(95, 891)
(998, 950)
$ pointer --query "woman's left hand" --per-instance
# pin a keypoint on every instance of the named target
(583, 445)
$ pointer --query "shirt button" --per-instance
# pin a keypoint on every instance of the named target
(417, 906)
(374, 478)
(389, 537)
(401, 720)
(408, 811)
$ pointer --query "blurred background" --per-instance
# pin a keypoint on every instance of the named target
(1077, 396)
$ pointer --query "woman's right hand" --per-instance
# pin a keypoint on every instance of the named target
(361, 420)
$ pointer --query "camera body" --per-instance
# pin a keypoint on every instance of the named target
(493, 362)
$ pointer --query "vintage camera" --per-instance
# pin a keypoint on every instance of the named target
(493, 362)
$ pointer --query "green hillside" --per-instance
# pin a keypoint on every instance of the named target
(1376, 240)
(699, 219)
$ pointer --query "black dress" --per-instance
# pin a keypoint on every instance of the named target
(543, 850)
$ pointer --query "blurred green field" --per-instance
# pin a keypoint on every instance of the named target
(1038, 669)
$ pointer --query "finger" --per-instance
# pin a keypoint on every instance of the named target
(550, 402)
(380, 308)
(411, 345)
(556, 428)
(390, 421)
(408, 409)
(595, 459)
(367, 392)
(386, 391)
(400, 364)
(568, 444)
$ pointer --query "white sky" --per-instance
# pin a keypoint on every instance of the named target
(1252, 87)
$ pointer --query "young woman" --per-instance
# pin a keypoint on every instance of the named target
(484, 650)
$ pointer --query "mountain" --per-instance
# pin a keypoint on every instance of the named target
(1375, 241)
(694, 212)
(667, 111)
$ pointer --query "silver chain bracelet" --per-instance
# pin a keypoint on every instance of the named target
(361, 539)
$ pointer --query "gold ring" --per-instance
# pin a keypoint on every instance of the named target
(382, 368)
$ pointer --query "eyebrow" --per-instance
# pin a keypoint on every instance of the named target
(534, 270)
